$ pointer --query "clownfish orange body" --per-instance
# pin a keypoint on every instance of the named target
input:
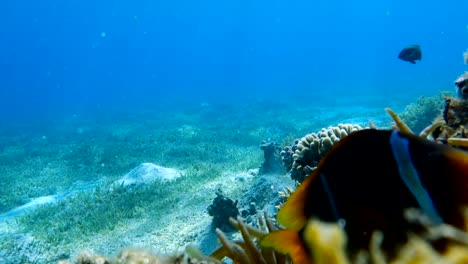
(366, 181)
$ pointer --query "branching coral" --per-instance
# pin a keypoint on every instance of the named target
(327, 243)
(247, 251)
(417, 115)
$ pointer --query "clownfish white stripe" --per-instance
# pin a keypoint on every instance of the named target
(410, 176)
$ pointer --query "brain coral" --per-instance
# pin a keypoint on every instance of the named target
(311, 148)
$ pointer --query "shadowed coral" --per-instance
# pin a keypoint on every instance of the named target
(272, 163)
(455, 117)
(462, 85)
(221, 210)
(455, 112)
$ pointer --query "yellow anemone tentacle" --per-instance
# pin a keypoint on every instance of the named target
(399, 123)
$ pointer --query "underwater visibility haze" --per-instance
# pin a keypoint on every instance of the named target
(58, 55)
(122, 121)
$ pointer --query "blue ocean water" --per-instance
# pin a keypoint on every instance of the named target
(60, 56)
(90, 90)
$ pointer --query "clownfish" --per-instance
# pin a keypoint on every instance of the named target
(366, 182)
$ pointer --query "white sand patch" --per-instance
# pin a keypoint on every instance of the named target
(146, 173)
(28, 206)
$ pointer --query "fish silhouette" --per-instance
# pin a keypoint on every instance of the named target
(411, 54)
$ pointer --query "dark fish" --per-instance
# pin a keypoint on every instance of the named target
(411, 54)
(366, 181)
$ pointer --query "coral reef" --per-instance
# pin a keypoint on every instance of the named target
(462, 85)
(221, 210)
(287, 155)
(417, 115)
(307, 152)
(247, 250)
(272, 163)
(327, 242)
(455, 117)
(448, 127)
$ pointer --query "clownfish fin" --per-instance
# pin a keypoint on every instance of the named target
(292, 213)
(289, 243)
